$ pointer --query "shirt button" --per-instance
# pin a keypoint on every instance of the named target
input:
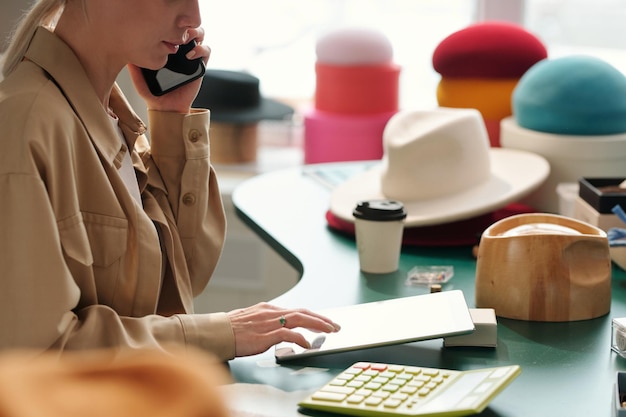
(194, 136)
(189, 199)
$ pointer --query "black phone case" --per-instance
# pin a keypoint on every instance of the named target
(178, 70)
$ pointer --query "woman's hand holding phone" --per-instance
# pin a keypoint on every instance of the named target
(175, 87)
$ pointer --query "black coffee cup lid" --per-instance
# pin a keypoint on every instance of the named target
(380, 210)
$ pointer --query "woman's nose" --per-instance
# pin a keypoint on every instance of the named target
(190, 15)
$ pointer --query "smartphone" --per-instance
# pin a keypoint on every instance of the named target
(177, 72)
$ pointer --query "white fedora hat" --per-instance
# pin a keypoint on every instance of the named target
(439, 164)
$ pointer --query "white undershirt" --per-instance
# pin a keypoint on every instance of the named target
(126, 170)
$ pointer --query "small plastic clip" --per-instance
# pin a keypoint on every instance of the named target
(428, 275)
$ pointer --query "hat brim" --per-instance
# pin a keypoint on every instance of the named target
(514, 174)
(268, 109)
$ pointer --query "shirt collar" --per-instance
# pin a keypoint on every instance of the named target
(54, 56)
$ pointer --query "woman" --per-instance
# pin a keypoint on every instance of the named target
(105, 238)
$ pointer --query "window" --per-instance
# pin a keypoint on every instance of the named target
(590, 27)
(275, 39)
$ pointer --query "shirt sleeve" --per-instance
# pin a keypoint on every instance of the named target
(179, 148)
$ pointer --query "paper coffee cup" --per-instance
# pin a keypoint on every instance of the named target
(378, 230)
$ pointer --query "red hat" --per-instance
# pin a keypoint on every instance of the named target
(488, 50)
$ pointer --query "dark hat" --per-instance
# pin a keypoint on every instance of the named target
(235, 97)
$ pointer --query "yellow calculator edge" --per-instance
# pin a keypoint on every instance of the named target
(378, 389)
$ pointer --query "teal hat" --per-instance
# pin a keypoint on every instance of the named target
(574, 95)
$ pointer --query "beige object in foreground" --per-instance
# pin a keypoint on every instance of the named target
(544, 267)
(109, 383)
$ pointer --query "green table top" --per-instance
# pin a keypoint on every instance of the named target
(568, 368)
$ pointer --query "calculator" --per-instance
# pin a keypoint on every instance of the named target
(381, 389)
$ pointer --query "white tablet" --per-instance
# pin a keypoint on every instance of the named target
(380, 323)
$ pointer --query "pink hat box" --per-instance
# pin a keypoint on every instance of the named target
(334, 137)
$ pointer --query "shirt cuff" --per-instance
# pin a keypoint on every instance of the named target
(178, 134)
(210, 332)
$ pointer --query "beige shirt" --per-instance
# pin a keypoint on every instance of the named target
(80, 260)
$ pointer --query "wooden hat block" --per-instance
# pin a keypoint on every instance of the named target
(544, 267)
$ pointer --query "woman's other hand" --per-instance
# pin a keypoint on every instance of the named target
(263, 325)
(179, 100)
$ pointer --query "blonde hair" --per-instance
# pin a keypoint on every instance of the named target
(42, 13)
